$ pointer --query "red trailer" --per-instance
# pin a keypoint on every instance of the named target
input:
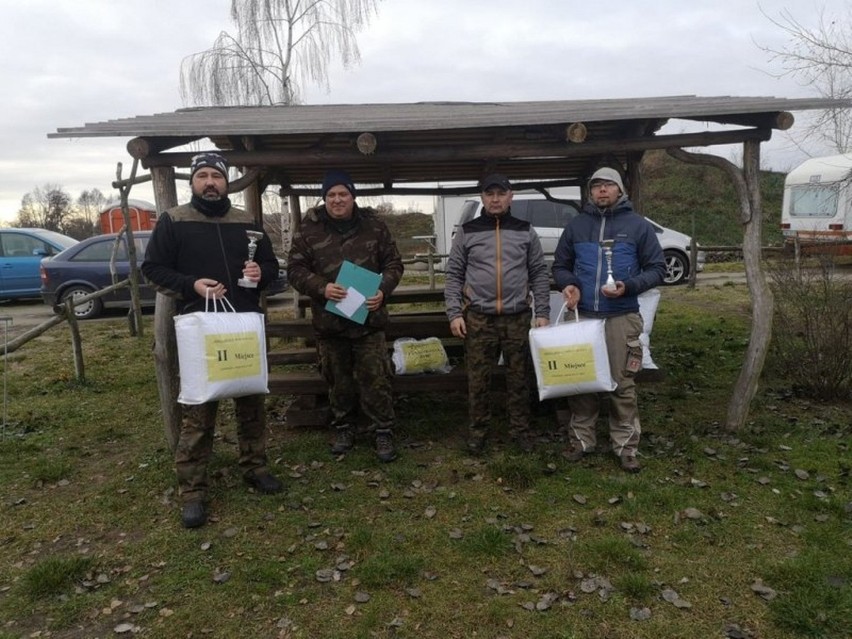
(143, 216)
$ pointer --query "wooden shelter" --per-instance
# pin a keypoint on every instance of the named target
(409, 148)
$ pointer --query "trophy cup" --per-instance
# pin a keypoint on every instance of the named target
(607, 250)
(253, 237)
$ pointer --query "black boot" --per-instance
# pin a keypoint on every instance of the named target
(344, 440)
(194, 514)
(264, 482)
(385, 450)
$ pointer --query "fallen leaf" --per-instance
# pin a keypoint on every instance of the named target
(764, 591)
(537, 570)
(640, 614)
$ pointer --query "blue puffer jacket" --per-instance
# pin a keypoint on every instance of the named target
(637, 258)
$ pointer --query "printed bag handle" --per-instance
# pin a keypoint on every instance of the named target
(209, 302)
(562, 313)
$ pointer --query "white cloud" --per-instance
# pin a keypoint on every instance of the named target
(68, 63)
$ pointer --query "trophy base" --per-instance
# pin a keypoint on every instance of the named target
(244, 283)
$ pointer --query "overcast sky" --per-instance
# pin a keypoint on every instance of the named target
(69, 62)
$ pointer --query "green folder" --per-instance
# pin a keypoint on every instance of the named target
(363, 280)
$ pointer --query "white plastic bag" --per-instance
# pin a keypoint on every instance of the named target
(570, 358)
(414, 356)
(220, 354)
(648, 302)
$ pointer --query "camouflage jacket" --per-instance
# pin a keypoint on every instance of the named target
(317, 252)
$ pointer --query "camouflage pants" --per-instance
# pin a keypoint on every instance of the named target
(357, 371)
(622, 333)
(195, 443)
(487, 336)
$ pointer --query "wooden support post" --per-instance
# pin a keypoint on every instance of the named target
(135, 314)
(747, 185)
(76, 342)
(165, 344)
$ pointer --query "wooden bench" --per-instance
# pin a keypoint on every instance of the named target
(300, 377)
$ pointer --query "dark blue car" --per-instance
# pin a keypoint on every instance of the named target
(85, 268)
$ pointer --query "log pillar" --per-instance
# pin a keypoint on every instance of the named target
(165, 344)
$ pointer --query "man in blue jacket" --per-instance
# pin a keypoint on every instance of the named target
(607, 223)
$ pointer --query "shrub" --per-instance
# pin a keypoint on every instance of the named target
(812, 333)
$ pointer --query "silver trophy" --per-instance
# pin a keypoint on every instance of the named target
(253, 237)
(607, 250)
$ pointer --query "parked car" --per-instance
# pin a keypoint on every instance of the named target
(85, 268)
(21, 252)
(550, 217)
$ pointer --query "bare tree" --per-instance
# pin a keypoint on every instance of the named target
(819, 57)
(277, 46)
(89, 206)
(45, 207)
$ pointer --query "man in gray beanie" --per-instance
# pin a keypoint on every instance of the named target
(608, 230)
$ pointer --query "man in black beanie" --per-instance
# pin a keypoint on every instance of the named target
(353, 357)
(196, 251)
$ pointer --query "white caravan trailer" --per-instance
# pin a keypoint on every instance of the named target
(818, 200)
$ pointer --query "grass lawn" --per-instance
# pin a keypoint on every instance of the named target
(721, 535)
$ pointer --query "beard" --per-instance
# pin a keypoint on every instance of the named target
(211, 194)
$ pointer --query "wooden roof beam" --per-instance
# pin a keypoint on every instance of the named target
(468, 152)
(780, 120)
(141, 148)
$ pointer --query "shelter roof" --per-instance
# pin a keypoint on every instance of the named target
(397, 146)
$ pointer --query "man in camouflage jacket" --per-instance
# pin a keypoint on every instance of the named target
(353, 357)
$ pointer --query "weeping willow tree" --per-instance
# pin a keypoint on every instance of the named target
(276, 47)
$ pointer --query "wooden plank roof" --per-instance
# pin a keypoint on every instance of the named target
(559, 140)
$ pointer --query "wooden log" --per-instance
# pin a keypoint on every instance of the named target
(165, 344)
(467, 152)
(141, 148)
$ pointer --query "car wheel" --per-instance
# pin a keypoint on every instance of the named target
(677, 268)
(90, 309)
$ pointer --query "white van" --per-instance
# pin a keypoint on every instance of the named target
(818, 200)
(549, 218)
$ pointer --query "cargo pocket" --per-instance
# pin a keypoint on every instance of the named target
(634, 358)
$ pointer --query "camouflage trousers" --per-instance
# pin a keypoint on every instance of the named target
(622, 334)
(195, 443)
(358, 373)
(487, 336)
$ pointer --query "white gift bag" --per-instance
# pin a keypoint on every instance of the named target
(571, 358)
(220, 354)
(648, 302)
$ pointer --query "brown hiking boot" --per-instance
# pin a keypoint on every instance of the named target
(344, 440)
(575, 453)
(629, 464)
(385, 450)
